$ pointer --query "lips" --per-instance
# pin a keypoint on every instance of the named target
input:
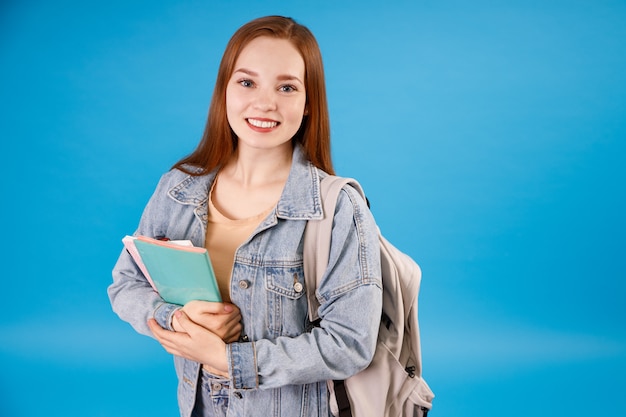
(263, 124)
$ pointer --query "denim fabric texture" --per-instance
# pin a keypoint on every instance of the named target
(280, 365)
(211, 396)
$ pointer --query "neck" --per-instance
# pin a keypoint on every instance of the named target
(255, 167)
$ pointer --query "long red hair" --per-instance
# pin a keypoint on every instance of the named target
(219, 142)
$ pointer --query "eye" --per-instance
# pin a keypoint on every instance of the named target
(287, 88)
(246, 83)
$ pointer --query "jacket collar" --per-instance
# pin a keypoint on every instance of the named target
(300, 198)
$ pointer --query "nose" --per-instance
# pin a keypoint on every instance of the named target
(265, 99)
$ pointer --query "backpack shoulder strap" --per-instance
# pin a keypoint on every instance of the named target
(317, 236)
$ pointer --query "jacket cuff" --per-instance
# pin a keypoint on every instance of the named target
(164, 313)
(242, 365)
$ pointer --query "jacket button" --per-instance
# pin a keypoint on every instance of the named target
(244, 284)
(297, 287)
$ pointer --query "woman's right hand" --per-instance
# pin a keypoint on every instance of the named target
(222, 319)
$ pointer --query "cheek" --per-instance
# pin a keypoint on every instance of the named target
(296, 111)
(233, 106)
(230, 101)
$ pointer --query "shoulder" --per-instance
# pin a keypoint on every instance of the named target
(176, 178)
(351, 193)
(175, 175)
(352, 208)
(183, 186)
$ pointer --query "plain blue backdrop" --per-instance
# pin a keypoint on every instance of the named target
(489, 136)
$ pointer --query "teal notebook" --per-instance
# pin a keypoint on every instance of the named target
(178, 273)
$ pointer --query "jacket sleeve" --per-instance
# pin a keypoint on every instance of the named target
(351, 305)
(131, 295)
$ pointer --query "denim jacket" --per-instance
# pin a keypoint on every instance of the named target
(280, 365)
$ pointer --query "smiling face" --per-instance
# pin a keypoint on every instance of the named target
(265, 96)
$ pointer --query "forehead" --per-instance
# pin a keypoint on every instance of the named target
(271, 56)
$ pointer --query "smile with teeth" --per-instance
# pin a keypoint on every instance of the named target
(263, 124)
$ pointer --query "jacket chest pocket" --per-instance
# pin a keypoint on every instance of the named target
(286, 303)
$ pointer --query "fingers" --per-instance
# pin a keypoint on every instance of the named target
(196, 343)
(206, 313)
(207, 307)
(186, 325)
(157, 330)
(233, 335)
(231, 320)
(169, 340)
(230, 331)
(194, 329)
(226, 323)
(179, 343)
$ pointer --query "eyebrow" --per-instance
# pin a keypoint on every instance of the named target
(282, 77)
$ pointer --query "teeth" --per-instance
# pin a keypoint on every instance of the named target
(262, 124)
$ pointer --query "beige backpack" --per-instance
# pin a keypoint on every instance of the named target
(392, 385)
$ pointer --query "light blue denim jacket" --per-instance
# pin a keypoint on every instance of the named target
(280, 365)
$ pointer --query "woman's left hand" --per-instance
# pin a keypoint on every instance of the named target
(194, 343)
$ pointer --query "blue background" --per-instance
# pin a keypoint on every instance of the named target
(489, 135)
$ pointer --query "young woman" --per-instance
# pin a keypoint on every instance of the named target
(246, 194)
